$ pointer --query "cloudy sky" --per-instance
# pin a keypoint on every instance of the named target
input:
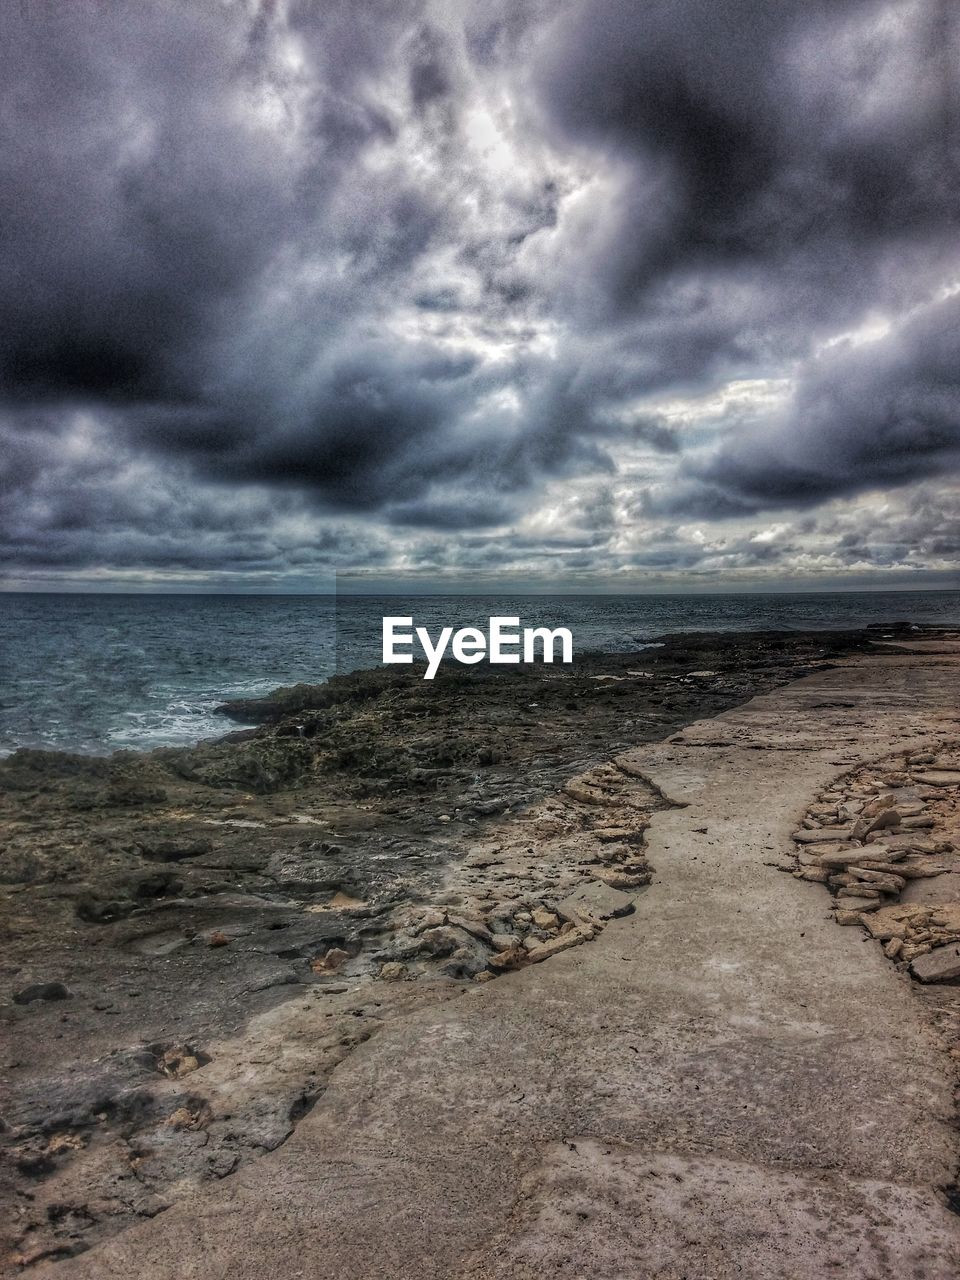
(587, 293)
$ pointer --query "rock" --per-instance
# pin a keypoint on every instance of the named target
(42, 991)
(853, 856)
(825, 835)
(819, 875)
(912, 868)
(544, 919)
(505, 941)
(595, 901)
(939, 778)
(465, 962)
(585, 795)
(393, 971)
(854, 903)
(848, 917)
(885, 883)
(917, 823)
(475, 927)
(544, 950)
(330, 961)
(625, 878)
(892, 948)
(893, 921)
(173, 848)
(939, 965)
(877, 805)
(864, 825)
(179, 1061)
(218, 939)
(512, 958)
(612, 835)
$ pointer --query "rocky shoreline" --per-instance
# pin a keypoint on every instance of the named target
(194, 939)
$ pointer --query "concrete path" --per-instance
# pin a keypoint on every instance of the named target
(724, 1084)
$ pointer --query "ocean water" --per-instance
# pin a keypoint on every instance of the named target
(96, 673)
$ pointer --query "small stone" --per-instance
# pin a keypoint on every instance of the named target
(218, 939)
(544, 950)
(544, 919)
(42, 991)
(892, 948)
(858, 904)
(505, 941)
(825, 835)
(506, 960)
(331, 961)
(848, 917)
(393, 971)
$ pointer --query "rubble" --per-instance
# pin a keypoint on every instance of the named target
(896, 871)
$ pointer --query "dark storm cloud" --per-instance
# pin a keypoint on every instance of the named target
(404, 263)
(868, 416)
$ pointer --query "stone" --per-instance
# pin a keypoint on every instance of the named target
(877, 805)
(853, 855)
(505, 941)
(864, 826)
(612, 835)
(42, 991)
(393, 971)
(892, 948)
(825, 835)
(893, 921)
(584, 795)
(595, 900)
(913, 868)
(330, 961)
(513, 958)
(465, 962)
(544, 950)
(852, 903)
(544, 919)
(849, 917)
(939, 778)
(939, 965)
(859, 890)
(624, 878)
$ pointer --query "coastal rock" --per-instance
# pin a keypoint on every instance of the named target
(42, 991)
(939, 778)
(942, 964)
(595, 901)
(573, 938)
(824, 835)
(544, 919)
(894, 921)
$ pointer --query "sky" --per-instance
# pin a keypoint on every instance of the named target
(593, 294)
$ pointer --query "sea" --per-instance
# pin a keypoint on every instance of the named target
(102, 672)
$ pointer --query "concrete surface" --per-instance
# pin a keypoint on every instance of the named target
(725, 1084)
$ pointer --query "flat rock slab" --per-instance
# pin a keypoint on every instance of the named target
(724, 1218)
(597, 901)
(939, 778)
(940, 965)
